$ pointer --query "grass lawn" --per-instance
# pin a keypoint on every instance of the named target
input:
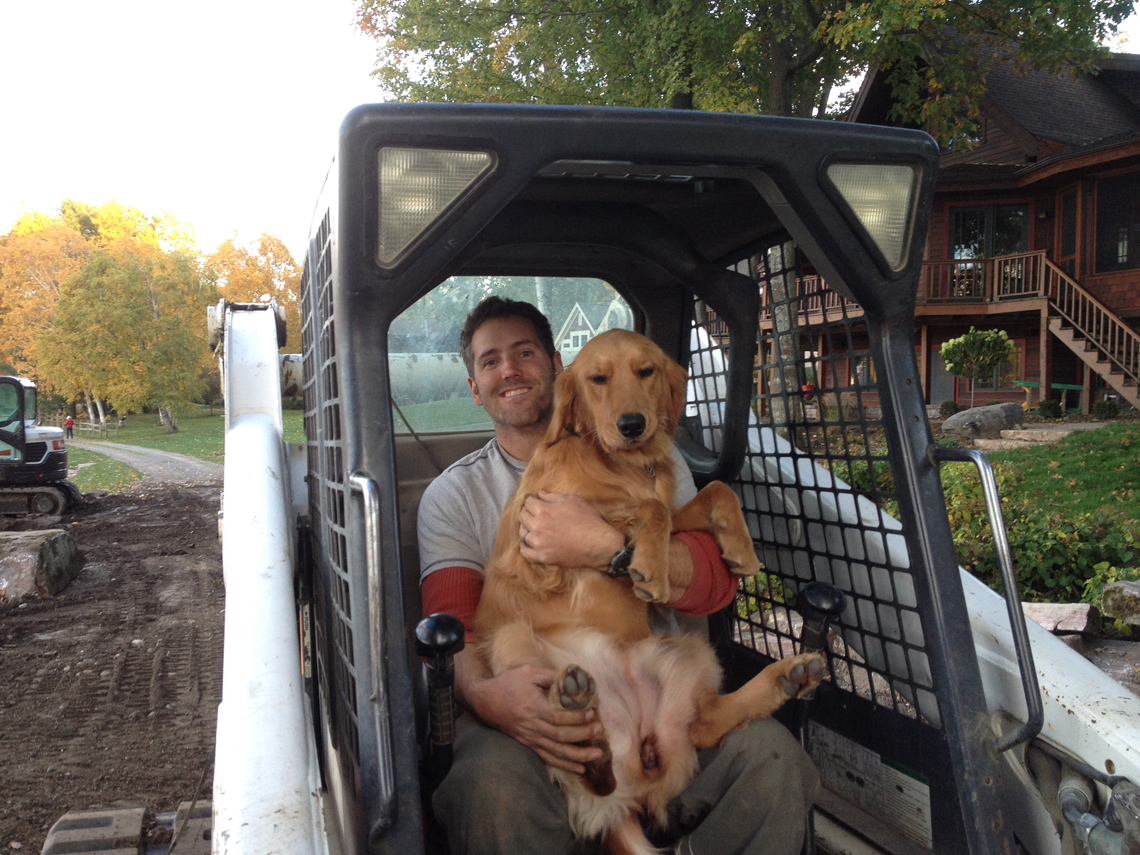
(200, 434)
(102, 473)
(1086, 471)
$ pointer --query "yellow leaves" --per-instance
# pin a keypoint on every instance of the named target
(250, 273)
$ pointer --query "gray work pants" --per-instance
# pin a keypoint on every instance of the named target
(751, 797)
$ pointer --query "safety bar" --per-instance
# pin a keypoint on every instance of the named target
(368, 490)
(1036, 717)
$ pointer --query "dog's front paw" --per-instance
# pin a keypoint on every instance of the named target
(652, 590)
(742, 562)
(801, 674)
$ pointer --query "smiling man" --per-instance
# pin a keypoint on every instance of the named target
(751, 795)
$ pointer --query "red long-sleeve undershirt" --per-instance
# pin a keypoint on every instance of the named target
(456, 589)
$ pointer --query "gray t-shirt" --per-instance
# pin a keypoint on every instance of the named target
(460, 510)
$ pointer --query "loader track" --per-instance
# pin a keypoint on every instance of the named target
(110, 690)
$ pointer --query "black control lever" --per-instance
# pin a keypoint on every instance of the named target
(438, 638)
(818, 603)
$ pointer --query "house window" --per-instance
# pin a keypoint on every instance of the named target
(1005, 376)
(1118, 223)
(578, 339)
(989, 231)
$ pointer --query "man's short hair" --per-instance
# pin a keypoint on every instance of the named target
(494, 308)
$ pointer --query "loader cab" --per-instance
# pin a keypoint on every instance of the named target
(776, 259)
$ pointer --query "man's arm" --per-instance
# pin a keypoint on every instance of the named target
(565, 529)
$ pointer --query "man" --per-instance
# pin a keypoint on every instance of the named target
(751, 795)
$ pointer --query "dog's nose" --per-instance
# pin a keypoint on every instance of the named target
(631, 425)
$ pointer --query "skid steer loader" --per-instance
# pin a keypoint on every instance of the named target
(778, 259)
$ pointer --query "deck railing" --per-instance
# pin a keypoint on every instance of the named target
(1005, 278)
(984, 280)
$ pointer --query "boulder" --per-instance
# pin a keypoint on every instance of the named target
(40, 563)
(1061, 618)
(984, 422)
(1122, 601)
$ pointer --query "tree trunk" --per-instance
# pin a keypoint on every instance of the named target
(167, 418)
(780, 81)
(102, 414)
(543, 294)
(90, 407)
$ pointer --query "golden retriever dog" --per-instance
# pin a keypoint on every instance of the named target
(656, 695)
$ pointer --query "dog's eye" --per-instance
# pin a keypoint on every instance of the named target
(599, 379)
(645, 372)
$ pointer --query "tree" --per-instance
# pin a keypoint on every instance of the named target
(41, 251)
(249, 274)
(977, 354)
(781, 57)
(638, 53)
(129, 329)
(35, 259)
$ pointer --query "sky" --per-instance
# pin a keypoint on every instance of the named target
(223, 113)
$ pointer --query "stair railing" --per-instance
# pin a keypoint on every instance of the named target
(1093, 320)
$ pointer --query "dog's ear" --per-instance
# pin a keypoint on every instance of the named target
(567, 417)
(675, 378)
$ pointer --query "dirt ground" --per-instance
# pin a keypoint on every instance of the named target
(109, 692)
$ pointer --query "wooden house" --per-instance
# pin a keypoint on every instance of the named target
(1036, 230)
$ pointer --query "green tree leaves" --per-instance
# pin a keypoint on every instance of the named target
(976, 354)
(782, 57)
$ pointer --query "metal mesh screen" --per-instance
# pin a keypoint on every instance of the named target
(817, 486)
(334, 637)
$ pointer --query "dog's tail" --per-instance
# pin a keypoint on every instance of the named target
(629, 839)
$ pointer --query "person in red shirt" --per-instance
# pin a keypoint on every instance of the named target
(751, 795)
(69, 426)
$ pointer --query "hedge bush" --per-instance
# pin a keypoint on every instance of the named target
(1050, 408)
(1106, 409)
(1057, 555)
(948, 408)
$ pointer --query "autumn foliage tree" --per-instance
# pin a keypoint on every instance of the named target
(35, 259)
(252, 273)
(130, 327)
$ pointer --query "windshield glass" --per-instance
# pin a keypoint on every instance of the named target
(429, 380)
(9, 406)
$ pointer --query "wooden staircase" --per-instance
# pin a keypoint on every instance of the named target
(1093, 332)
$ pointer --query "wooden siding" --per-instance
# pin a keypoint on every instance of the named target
(997, 147)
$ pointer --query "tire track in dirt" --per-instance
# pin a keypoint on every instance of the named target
(110, 690)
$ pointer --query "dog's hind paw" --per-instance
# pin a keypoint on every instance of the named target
(574, 689)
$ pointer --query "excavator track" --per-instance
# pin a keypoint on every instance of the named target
(54, 499)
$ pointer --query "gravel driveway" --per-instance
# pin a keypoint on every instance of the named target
(157, 466)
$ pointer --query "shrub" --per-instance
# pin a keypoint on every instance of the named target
(1105, 574)
(1106, 409)
(948, 408)
(1055, 554)
(1049, 409)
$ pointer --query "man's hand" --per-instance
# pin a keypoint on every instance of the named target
(516, 703)
(566, 530)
